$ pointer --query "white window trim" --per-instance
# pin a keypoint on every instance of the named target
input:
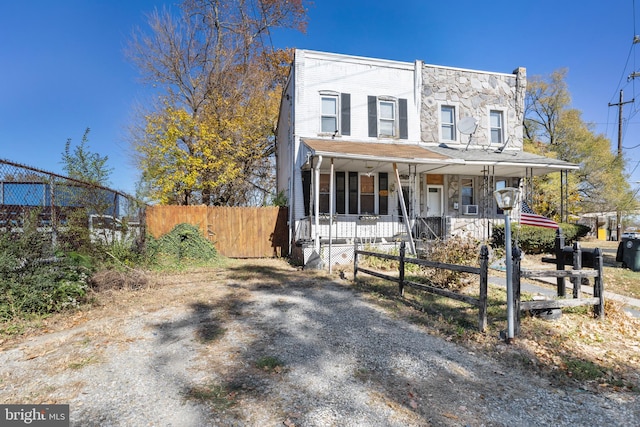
(396, 121)
(332, 94)
(503, 112)
(456, 110)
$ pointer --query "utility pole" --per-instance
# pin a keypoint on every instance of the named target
(620, 104)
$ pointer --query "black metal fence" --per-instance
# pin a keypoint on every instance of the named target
(51, 200)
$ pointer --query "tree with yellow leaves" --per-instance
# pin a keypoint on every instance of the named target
(555, 130)
(209, 137)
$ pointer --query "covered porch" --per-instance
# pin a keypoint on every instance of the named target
(384, 193)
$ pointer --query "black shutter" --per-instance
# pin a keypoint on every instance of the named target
(353, 192)
(372, 101)
(402, 118)
(341, 193)
(306, 191)
(383, 195)
(345, 118)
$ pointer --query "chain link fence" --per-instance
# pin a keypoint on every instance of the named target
(56, 204)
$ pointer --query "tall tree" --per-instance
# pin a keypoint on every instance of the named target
(554, 129)
(210, 137)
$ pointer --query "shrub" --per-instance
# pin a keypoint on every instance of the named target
(537, 240)
(184, 243)
(34, 279)
(456, 250)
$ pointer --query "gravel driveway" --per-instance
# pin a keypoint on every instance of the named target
(190, 353)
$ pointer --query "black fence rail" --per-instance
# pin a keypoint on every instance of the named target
(575, 257)
(482, 272)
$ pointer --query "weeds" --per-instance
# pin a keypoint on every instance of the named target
(270, 364)
(219, 396)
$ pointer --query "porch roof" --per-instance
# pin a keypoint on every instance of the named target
(434, 159)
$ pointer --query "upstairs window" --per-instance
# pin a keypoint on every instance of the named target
(329, 120)
(448, 123)
(387, 118)
(496, 123)
(335, 113)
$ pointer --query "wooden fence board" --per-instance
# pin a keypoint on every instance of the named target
(237, 232)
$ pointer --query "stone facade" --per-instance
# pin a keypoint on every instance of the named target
(473, 94)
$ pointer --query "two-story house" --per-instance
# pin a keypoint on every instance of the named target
(376, 151)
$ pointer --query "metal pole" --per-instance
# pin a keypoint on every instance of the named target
(509, 266)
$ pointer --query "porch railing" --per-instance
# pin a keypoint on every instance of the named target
(350, 228)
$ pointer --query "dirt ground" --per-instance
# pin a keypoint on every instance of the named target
(201, 318)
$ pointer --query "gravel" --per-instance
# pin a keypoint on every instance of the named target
(342, 361)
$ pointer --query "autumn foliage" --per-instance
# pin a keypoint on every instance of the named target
(209, 137)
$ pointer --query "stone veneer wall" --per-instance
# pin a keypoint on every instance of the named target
(473, 93)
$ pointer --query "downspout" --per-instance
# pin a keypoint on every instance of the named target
(316, 203)
(412, 247)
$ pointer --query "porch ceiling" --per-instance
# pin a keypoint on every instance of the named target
(379, 157)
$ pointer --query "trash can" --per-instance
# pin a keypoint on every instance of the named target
(631, 254)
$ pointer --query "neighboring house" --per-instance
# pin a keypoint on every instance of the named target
(397, 151)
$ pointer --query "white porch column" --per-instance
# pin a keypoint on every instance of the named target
(331, 190)
(412, 247)
(316, 203)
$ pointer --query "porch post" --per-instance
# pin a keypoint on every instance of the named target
(330, 212)
(316, 204)
(412, 248)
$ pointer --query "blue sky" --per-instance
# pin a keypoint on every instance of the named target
(63, 66)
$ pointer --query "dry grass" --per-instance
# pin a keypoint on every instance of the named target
(575, 349)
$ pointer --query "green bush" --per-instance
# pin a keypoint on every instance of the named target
(538, 240)
(34, 279)
(184, 243)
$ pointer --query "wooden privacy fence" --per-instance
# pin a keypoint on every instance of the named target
(236, 232)
(482, 271)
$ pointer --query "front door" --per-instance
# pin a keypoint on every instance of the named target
(430, 227)
(434, 204)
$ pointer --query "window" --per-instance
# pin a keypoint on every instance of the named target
(367, 194)
(329, 120)
(497, 126)
(500, 184)
(324, 193)
(387, 118)
(466, 191)
(335, 112)
(448, 123)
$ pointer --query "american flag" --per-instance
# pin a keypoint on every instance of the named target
(527, 217)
